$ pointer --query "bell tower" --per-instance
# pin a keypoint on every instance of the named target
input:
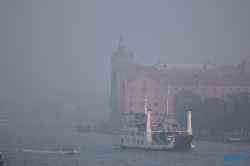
(121, 58)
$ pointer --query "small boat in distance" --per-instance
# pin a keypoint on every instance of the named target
(80, 128)
(1, 160)
(70, 150)
(24, 121)
(3, 122)
(234, 137)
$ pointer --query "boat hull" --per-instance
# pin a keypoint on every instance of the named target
(184, 142)
(181, 143)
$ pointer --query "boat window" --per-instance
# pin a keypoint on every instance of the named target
(235, 136)
(130, 125)
(175, 125)
(137, 125)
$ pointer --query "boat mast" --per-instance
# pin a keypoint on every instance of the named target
(146, 103)
(167, 99)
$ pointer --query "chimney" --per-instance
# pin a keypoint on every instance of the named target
(149, 135)
(189, 125)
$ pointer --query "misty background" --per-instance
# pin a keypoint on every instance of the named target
(47, 46)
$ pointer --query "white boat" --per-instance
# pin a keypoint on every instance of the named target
(3, 122)
(70, 150)
(234, 137)
(24, 121)
(159, 133)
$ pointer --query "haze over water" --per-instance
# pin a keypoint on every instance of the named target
(40, 142)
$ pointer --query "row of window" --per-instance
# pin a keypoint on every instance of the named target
(138, 126)
(156, 104)
(134, 141)
(144, 88)
(198, 72)
(142, 104)
(156, 96)
(139, 134)
(214, 89)
(143, 96)
(130, 125)
(222, 96)
(156, 89)
(222, 89)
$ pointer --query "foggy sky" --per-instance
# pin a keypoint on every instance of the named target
(46, 46)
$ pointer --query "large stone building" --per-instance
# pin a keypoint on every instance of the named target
(131, 82)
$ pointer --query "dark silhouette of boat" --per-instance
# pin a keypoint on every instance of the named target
(234, 137)
(70, 150)
(81, 128)
(1, 160)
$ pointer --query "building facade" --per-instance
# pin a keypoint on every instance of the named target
(132, 82)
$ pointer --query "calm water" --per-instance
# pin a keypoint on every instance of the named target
(40, 142)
